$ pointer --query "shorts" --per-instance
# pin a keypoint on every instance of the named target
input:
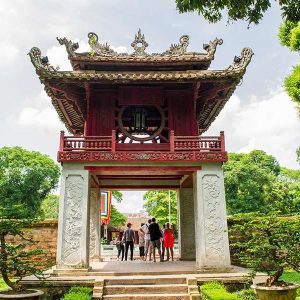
(156, 243)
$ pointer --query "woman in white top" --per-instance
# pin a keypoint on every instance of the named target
(141, 242)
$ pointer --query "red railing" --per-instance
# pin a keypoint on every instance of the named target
(199, 143)
(176, 143)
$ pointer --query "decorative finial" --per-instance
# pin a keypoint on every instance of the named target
(211, 47)
(241, 62)
(139, 44)
(70, 46)
(39, 62)
(97, 48)
(178, 49)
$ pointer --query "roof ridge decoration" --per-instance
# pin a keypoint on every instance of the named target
(97, 48)
(238, 66)
(242, 61)
(40, 62)
(139, 45)
(178, 49)
(70, 46)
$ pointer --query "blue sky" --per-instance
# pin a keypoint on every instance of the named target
(258, 116)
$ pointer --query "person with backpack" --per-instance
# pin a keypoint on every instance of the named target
(155, 236)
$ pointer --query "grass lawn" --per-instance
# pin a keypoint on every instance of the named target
(291, 276)
(294, 277)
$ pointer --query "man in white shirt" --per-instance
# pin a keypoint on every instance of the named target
(148, 245)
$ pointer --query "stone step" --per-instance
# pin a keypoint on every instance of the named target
(147, 297)
(145, 281)
(193, 289)
(145, 289)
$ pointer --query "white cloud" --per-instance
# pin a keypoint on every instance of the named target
(38, 114)
(8, 52)
(269, 123)
(132, 202)
(58, 57)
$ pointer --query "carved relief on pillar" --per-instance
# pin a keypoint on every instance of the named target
(72, 225)
(214, 227)
(94, 214)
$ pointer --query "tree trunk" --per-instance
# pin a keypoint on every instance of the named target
(3, 266)
(274, 278)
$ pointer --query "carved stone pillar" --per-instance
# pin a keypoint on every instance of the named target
(212, 245)
(95, 249)
(73, 222)
(186, 220)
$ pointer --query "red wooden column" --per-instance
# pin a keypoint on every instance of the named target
(172, 146)
(61, 141)
(222, 137)
(113, 141)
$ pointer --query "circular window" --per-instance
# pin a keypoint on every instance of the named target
(141, 123)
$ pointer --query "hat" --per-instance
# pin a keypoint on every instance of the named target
(129, 224)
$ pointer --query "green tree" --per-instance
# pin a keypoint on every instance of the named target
(118, 196)
(251, 11)
(16, 260)
(270, 244)
(289, 36)
(298, 155)
(248, 178)
(26, 178)
(255, 182)
(50, 206)
(157, 205)
(117, 219)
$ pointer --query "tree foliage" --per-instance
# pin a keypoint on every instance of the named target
(267, 244)
(251, 11)
(118, 196)
(117, 219)
(247, 180)
(49, 207)
(16, 260)
(26, 178)
(157, 205)
(289, 36)
(292, 84)
(255, 182)
(298, 155)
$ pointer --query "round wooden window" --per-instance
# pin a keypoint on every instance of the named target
(141, 123)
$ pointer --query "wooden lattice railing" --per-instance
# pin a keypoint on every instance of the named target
(176, 143)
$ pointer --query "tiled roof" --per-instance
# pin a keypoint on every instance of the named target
(72, 111)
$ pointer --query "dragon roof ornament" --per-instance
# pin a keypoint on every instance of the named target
(70, 46)
(241, 62)
(39, 62)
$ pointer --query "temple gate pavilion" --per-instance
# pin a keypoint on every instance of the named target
(136, 121)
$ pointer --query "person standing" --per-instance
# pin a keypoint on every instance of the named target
(148, 245)
(162, 242)
(128, 238)
(169, 241)
(142, 242)
(155, 236)
(120, 246)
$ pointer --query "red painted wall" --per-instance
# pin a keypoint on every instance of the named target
(101, 108)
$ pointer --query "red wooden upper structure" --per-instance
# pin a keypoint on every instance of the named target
(140, 106)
